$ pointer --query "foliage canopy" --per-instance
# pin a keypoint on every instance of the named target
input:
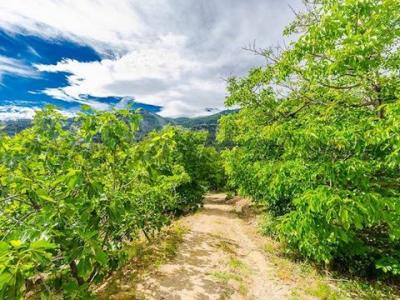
(71, 199)
(317, 138)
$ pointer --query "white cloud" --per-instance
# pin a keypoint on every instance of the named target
(11, 112)
(91, 22)
(163, 62)
(15, 112)
(158, 76)
(11, 66)
(170, 53)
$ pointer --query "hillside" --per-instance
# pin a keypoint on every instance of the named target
(149, 122)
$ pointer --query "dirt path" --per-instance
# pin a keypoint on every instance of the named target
(220, 258)
(217, 253)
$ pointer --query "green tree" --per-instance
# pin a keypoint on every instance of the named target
(317, 136)
(73, 195)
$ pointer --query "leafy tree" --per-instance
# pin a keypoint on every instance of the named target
(189, 150)
(71, 199)
(317, 137)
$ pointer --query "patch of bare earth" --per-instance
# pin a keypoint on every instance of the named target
(221, 257)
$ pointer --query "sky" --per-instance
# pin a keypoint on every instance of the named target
(171, 57)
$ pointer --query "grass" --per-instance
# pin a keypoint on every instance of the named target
(322, 290)
(225, 277)
(307, 280)
(143, 257)
(237, 265)
(303, 278)
(234, 275)
(367, 290)
(227, 247)
(163, 247)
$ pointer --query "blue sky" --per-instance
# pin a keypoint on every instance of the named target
(170, 56)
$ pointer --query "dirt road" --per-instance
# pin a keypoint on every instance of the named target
(221, 257)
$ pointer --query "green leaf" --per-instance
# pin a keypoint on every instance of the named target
(85, 267)
(5, 279)
(4, 247)
(42, 245)
(16, 243)
(101, 257)
(42, 195)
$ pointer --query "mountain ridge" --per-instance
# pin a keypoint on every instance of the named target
(151, 121)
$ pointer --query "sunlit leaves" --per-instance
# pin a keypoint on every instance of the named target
(82, 190)
(317, 136)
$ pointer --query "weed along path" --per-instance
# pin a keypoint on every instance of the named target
(219, 257)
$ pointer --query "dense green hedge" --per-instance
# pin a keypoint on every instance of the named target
(70, 199)
(317, 138)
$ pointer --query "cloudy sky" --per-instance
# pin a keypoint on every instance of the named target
(171, 56)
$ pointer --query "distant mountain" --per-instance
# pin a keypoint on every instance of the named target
(151, 121)
(208, 123)
(12, 127)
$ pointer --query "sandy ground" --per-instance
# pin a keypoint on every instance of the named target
(220, 258)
